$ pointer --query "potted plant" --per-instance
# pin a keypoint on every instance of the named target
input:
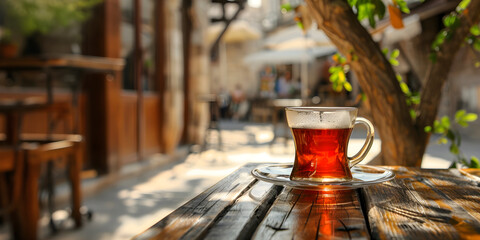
(48, 26)
(8, 47)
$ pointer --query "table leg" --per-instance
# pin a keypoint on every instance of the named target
(12, 129)
(74, 168)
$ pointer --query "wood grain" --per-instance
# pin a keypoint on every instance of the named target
(417, 204)
(300, 214)
(424, 204)
(246, 214)
(193, 219)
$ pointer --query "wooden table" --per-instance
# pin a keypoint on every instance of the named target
(417, 204)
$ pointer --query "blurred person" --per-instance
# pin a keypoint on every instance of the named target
(267, 82)
(286, 87)
(239, 104)
(224, 99)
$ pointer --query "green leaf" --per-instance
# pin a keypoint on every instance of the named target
(428, 129)
(415, 98)
(394, 62)
(300, 25)
(341, 76)
(476, 45)
(442, 140)
(454, 149)
(475, 30)
(385, 51)
(451, 21)
(474, 163)
(462, 123)
(413, 114)
(437, 128)
(477, 64)
(367, 9)
(352, 2)
(333, 69)
(403, 6)
(404, 88)
(470, 117)
(347, 86)
(399, 77)
(380, 9)
(445, 121)
(287, 7)
(459, 115)
(462, 5)
(395, 53)
(334, 77)
(439, 39)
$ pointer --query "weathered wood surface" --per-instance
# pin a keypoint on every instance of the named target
(424, 204)
(418, 204)
(193, 219)
(298, 214)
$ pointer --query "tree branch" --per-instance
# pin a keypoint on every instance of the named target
(437, 72)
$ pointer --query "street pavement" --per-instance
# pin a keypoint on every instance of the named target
(126, 207)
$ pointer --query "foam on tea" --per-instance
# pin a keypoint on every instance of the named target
(332, 118)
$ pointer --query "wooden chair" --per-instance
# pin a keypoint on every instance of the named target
(21, 161)
(36, 155)
(11, 179)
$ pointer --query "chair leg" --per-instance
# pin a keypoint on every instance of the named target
(50, 185)
(3, 197)
(30, 215)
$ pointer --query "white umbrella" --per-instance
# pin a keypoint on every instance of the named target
(294, 38)
(287, 56)
(238, 31)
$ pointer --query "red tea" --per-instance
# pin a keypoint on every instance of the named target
(321, 154)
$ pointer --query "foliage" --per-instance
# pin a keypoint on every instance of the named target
(371, 10)
(338, 73)
(43, 16)
(451, 22)
(447, 133)
(368, 12)
(6, 36)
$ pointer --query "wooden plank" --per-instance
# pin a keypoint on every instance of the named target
(193, 219)
(65, 61)
(424, 204)
(246, 214)
(300, 214)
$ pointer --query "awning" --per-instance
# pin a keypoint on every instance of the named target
(238, 31)
(288, 56)
(293, 38)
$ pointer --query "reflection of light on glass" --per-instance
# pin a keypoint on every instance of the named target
(255, 3)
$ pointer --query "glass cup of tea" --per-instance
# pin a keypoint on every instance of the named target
(321, 137)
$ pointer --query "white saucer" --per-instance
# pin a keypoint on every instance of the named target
(363, 175)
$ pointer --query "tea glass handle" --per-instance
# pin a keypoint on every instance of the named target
(366, 146)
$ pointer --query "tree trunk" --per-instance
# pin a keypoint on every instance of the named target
(376, 77)
(403, 139)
